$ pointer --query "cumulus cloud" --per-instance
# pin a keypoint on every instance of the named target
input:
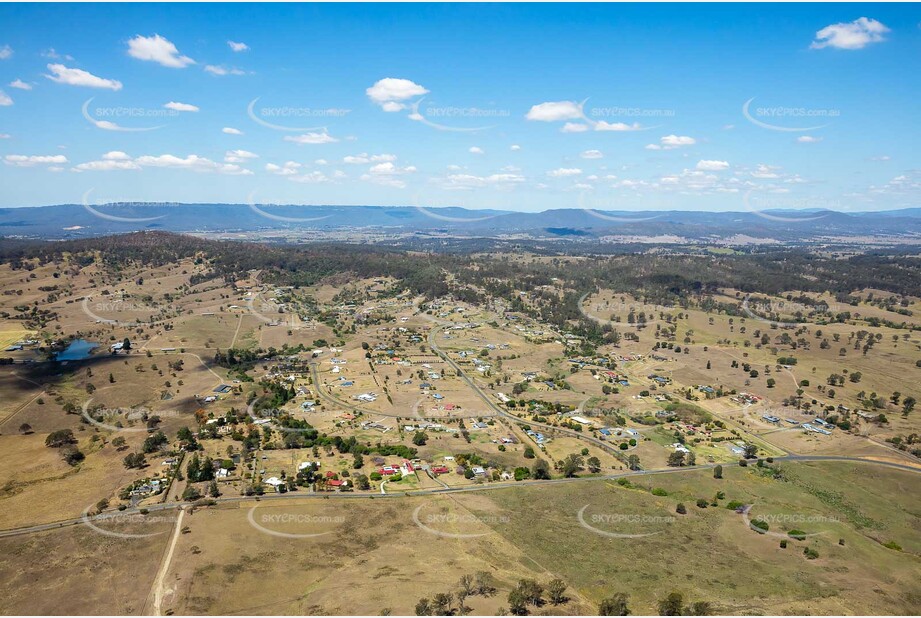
(808, 139)
(564, 172)
(21, 85)
(554, 111)
(854, 35)
(592, 154)
(78, 77)
(110, 161)
(388, 92)
(231, 131)
(32, 160)
(470, 181)
(712, 166)
(5, 100)
(766, 171)
(515, 148)
(574, 127)
(670, 142)
(238, 47)
(288, 168)
(366, 158)
(222, 70)
(157, 49)
(239, 156)
(181, 107)
(476, 150)
(191, 162)
(311, 138)
(6, 52)
(601, 125)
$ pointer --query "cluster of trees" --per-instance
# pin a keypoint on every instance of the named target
(454, 603)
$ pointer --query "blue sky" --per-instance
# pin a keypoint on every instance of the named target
(521, 107)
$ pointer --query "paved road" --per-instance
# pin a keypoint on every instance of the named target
(293, 496)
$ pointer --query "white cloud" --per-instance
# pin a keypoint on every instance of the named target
(314, 177)
(191, 162)
(854, 35)
(111, 161)
(289, 168)
(389, 169)
(712, 166)
(231, 131)
(564, 172)
(222, 70)
(592, 154)
(393, 106)
(366, 158)
(79, 77)
(321, 162)
(157, 49)
(6, 52)
(808, 139)
(881, 158)
(392, 89)
(515, 148)
(238, 47)
(311, 138)
(30, 160)
(469, 181)
(21, 85)
(181, 107)
(601, 125)
(5, 136)
(239, 156)
(554, 111)
(677, 141)
(476, 150)
(766, 171)
(5, 100)
(574, 127)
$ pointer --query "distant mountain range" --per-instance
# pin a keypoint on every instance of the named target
(76, 220)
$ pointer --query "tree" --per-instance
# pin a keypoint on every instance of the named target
(671, 605)
(681, 509)
(420, 438)
(135, 460)
(485, 583)
(615, 605)
(441, 603)
(594, 465)
(751, 451)
(676, 459)
(466, 584)
(25, 428)
(126, 344)
(423, 607)
(908, 404)
(571, 464)
(213, 491)
(700, 608)
(517, 604)
(633, 462)
(556, 590)
(531, 590)
(718, 472)
(59, 438)
(541, 469)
